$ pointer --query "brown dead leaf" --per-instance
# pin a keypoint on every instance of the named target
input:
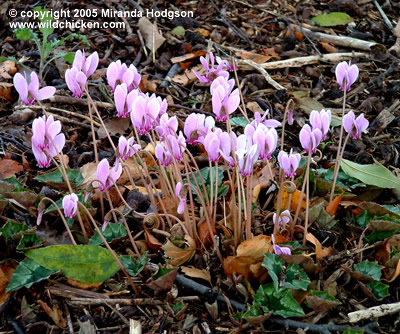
(54, 313)
(307, 104)
(320, 304)
(8, 168)
(5, 277)
(254, 107)
(7, 70)
(239, 265)
(114, 126)
(188, 77)
(203, 32)
(257, 58)
(177, 255)
(150, 33)
(152, 241)
(294, 201)
(396, 273)
(320, 252)
(89, 174)
(5, 91)
(197, 273)
(255, 248)
(328, 47)
(188, 56)
(204, 234)
(147, 85)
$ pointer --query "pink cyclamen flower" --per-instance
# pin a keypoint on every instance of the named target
(310, 139)
(227, 146)
(194, 128)
(118, 73)
(269, 123)
(284, 218)
(321, 120)
(290, 116)
(266, 139)
(211, 145)
(345, 72)
(29, 92)
(211, 72)
(163, 154)
(76, 81)
(247, 154)
(124, 100)
(145, 112)
(355, 126)
(289, 162)
(182, 198)
(106, 176)
(47, 141)
(224, 101)
(70, 205)
(278, 250)
(86, 65)
(126, 147)
(176, 145)
(168, 126)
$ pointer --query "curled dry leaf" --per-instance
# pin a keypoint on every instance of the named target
(54, 313)
(7, 70)
(320, 252)
(5, 277)
(256, 247)
(177, 255)
(151, 35)
(197, 273)
(152, 241)
(188, 77)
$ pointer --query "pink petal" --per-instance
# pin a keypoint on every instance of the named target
(91, 63)
(45, 93)
(34, 84)
(21, 86)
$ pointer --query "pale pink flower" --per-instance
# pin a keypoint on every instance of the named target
(70, 205)
(355, 126)
(289, 162)
(126, 147)
(29, 92)
(107, 176)
(346, 72)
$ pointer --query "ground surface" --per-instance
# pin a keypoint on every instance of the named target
(230, 29)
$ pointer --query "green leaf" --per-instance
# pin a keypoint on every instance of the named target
(324, 295)
(239, 121)
(69, 57)
(274, 264)
(296, 278)
(112, 231)
(392, 208)
(278, 302)
(332, 19)
(24, 34)
(363, 219)
(13, 180)
(374, 175)
(10, 229)
(353, 331)
(379, 236)
(45, 18)
(254, 311)
(27, 273)
(379, 289)
(179, 31)
(84, 263)
(29, 239)
(368, 268)
(134, 267)
(74, 175)
(343, 180)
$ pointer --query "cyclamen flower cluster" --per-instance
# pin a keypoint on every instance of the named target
(311, 137)
(29, 92)
(82, 68)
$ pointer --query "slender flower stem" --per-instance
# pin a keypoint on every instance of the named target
(248, 208)
(307, 196)
(62, 218)
(216, 192)
(212, 189)
(337, 165)
(336, 173)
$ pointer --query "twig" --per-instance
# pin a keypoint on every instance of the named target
(385, 18)
(345, 41)
(396, 47)
(174, 70)
(73, 100)
(267, 77)
(128, 301)
(374, 312)
(303, 61)
(323, 328)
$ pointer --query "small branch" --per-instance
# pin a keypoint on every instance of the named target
(385, 18)
(74, 100)
(345, 41)
(267, 77)
(374, 312)
(303, 61)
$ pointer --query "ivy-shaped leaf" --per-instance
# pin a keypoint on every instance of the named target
(368, 268)
(134, 267)
(379, 289)
(274, 264)
(112, 231)
(296, 278)
(11, 229)
(27, 273)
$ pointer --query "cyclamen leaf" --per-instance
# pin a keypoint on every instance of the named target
(379, 289)
(10, 229)
(374, 175)
(239, 121)
(54, 178)
(112, 231)
(296, 278)
(84, 263)
(134, 267)
(274, 264)
(368, 268)
(27, 273)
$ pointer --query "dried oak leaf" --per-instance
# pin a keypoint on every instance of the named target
(8, 168)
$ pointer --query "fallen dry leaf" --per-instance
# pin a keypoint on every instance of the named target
(177, 255)
(188, 77)
(8, 168)
(257, 58)
(7, 70)
(320, 252)
(151, 35)
(254, 107)
(82, 285)
(239, 265)
(204, 234)
(255, 248)
(188, 56)
(114, 126)
(295, 199)
(5, 277)
(197, 273)
(5, 91)
(54, 313)
(328, 47)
